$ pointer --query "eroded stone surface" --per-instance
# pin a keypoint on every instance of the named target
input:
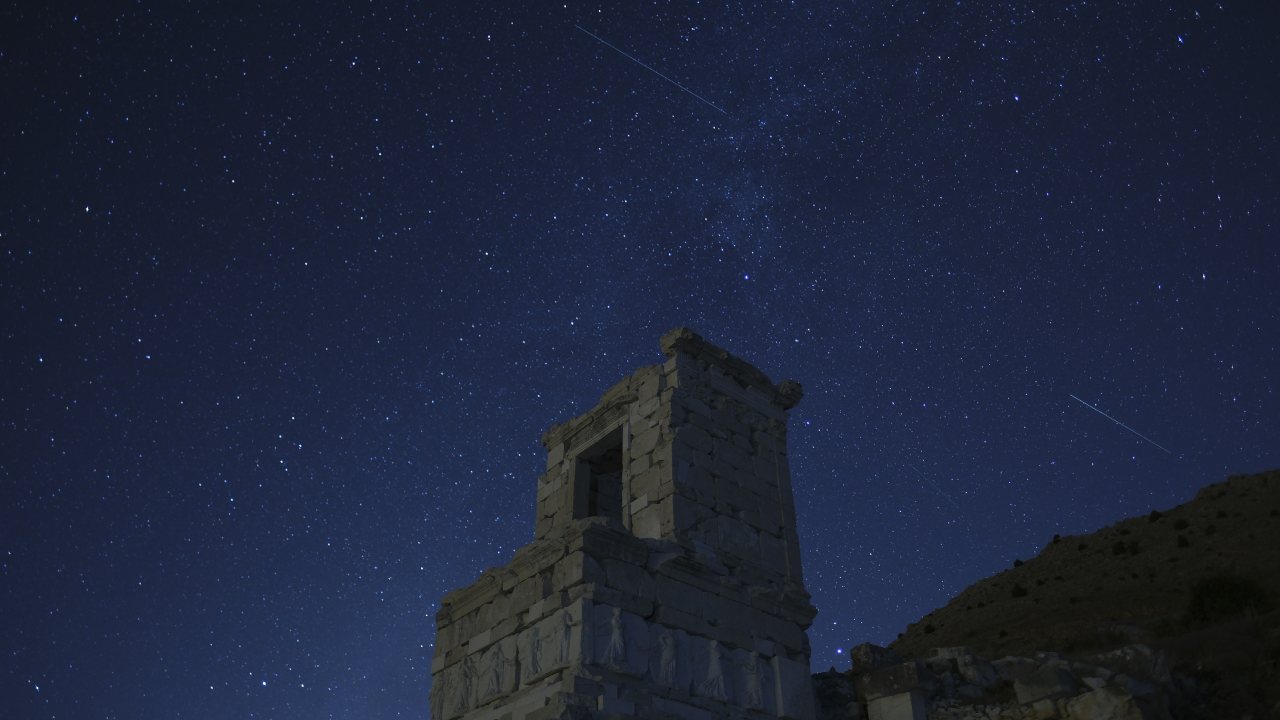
(953, 683)
(664, 580)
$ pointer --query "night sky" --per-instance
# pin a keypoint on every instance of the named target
(288, 296)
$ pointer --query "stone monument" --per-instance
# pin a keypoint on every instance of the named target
(664, 580)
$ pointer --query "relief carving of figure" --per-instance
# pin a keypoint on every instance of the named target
(462, 693)
(565, 636)
(497, 668)
(535, 652)
(615, 655)
(438, 690)
(713, 685)
(667, 658)
(755, 693)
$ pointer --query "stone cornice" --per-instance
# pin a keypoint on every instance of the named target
(786, 394)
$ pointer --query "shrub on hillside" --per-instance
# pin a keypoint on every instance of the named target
(1224, 597)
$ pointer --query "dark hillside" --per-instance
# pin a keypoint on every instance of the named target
(1144, 579)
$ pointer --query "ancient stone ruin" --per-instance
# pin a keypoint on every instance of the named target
(664, 580)
(1133, 682)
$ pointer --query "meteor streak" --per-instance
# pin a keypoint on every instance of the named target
(934, 484)
(1126, 427)
(646, 67)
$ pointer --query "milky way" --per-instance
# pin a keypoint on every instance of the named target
(288, 297)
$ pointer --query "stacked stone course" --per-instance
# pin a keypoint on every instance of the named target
(664, 580)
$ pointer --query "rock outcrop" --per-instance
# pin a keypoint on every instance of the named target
(1134, 581)
(1166, 615)
(1130, 683)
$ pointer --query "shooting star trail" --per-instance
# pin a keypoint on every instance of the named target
(646, 67)
(1126, 427)
(935, 485)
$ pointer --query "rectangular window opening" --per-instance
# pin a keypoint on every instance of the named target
(600, 478)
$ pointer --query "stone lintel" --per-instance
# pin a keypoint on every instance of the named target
(609, 409)
(579, 430)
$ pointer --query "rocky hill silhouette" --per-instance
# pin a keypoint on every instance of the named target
(1142, 579)
(1163, 616)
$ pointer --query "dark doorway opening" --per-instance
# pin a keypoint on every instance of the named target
(599, 481)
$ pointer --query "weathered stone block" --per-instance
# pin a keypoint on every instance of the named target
(647, 482)
(647, 522)
(1045, 683)
(569, 571)
(676, 618)
(640, 464)
(793, 688)
(1107, 703)
(555, 455)
(1045, 709)
(734, 537)
(695, 438)
(910, 705)
(977, 671)
(650, 385)
(628, 578)
(644, 441)
(647, 409)
(867, 657)
(549, 484)
(895, 680)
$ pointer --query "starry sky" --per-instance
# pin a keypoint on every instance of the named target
(287, 297)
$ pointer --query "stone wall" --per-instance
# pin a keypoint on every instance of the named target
(664, 580)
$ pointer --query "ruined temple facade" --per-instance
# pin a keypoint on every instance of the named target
(664, 580)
